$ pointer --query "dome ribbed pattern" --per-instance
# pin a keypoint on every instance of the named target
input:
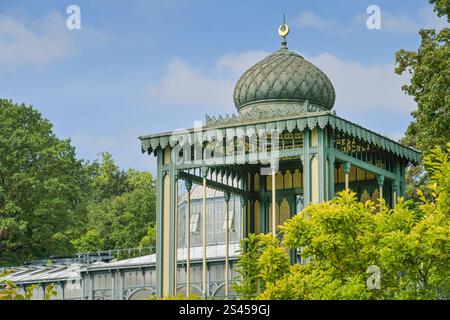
(284, 76)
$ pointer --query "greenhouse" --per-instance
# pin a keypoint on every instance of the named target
(284, 149)
(110, 275)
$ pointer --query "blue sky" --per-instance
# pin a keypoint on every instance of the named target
(141, 67)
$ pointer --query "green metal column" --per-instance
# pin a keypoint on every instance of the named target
(227, 240)
(204, 171)
(380, 181)
(188, 238)
(322, 162)
(113, 285)
(394, 185)
(173, 212)
(252, 212)
(331, 160)
(293, 212)
(91, 286)
(82, 287)
(306, 167)
(244, 207)
(122, 286)
(243, 215)
(346, 169)
(63, 294)
(262, 205)
(159, 221)
(400, 182)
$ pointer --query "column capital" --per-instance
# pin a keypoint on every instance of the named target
(204, 171)
(380, 180)
(346, 167)
(395, 185)
(243, 201)
(279, 200)
(226, 195)
(188, 185)
(274, 165)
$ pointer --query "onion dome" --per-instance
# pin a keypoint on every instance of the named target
(284, 79)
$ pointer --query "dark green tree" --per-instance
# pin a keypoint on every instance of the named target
(429, 68)
(121, 208)
(41, 187)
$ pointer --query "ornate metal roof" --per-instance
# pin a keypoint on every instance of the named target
(285, 77)
(284, 92)
(284, 122)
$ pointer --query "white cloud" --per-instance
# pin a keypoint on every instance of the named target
(359, 88)
(364, 88)
(392, 22)
(40, 42)
(429, 19)
(183, 84)
(238, 63)
(309, 19)
(398, 23)
(425, 18)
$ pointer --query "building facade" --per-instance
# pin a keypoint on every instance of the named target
(130, 274)
(284, 149)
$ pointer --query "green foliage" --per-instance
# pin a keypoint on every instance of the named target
(149, 240)
(108, 180)
(10, 291)
(89, 242)
(51, 203)
(120, 215)
(341, 238)
(442, 8)
(41, 186)
(430, 82)
(246, 286)
(273, 261)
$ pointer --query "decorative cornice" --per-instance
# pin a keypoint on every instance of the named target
(289, 122)
(265, 110)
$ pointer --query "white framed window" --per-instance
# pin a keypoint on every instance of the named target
(230, 220)
(195, 217)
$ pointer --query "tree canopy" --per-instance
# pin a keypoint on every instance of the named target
(52, 203)
(122, 211)
(429, 68)
(355, 250)
(41, 186)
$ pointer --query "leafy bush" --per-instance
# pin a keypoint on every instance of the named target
(345, 242)
(10, 291)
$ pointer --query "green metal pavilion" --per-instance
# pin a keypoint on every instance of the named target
(283, 150)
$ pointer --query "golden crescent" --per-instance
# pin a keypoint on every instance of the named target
(284, 32)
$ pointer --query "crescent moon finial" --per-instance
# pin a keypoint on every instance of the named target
(283, 31)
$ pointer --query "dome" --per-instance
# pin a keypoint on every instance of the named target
(284, 80)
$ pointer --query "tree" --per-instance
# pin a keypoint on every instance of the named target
(346, 242)
(134, 211)
(41, 186)
(51, 203)
(10, 291)
(108, 180)
(121, 210)
(89, 242)
(430, 82)
(149, 240)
